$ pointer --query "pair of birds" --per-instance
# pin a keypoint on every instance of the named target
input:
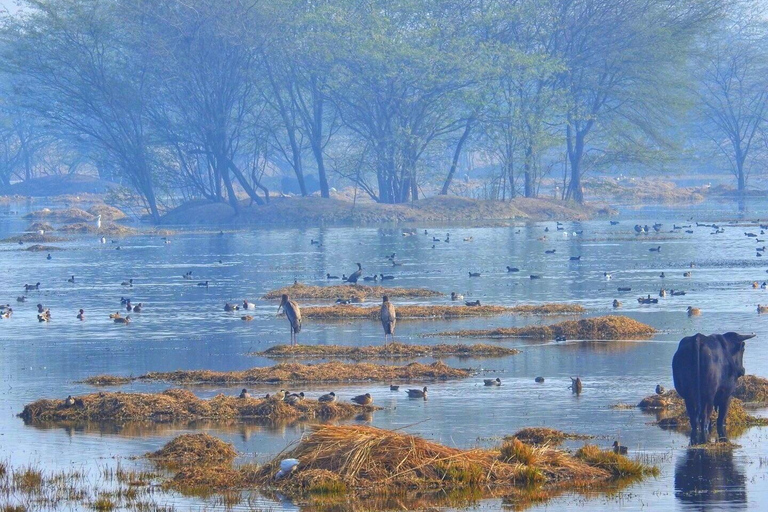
(293, 314)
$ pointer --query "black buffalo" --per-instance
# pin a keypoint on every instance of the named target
(705, 370)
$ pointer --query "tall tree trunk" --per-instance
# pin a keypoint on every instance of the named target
(575, 154)
(456, 156)
(317, 142)
(244, 183)
(528, 172)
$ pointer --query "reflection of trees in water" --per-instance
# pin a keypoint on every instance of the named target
(707, 477)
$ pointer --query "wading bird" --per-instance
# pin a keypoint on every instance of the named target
(355, 275)
(293, 314)
(388, 319)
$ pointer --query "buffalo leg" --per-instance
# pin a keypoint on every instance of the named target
(706, 422)
(693, 417)
(721, 419)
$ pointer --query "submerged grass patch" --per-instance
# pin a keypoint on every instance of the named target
(358, 291)
(391, 350)
(599, 328)
(180, 404)
(544, 436)
(299, 373)
(341, 312)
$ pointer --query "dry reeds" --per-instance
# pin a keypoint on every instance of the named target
(356, 291)
(105, 229)
(363, 457)
(180, 404)
(34, 238)
(618, 465)
(392, 350)
(108, 213)
(107, 380)
(599, 328)
(343, 312)
(302, 373)
(65, 215)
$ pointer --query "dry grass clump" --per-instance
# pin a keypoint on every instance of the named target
(358, 291)
(544, 436)
(752, 389)
(599, 328)
(361, 457)
(324, 372)
(666, 400)
(392, 350)
(90, 228)
(108, 213)
(618, 465)
(180, 404)
(68, 215)
(194, 449)
(405, 312)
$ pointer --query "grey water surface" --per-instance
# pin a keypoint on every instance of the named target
(183, 326)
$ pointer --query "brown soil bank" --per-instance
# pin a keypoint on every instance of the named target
(435, 210)
(351, 459)
(671, 414)
(294, 372)
(394, 350)
(341, 312)
(179, 404)
(599, 328)
(357, 291)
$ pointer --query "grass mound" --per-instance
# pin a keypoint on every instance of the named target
(68, 215)
(91, 229)
(671, 414)
(38, 226)
(294, 372)
(357, 291)
(34, 238)
(360, 457)
(544, 436)
(107, 380)
(43, 248)
(180, 404)
(194, 449)
(108, 213)
(393, 350)
(752, 389)
(406, 312)
(599, 328)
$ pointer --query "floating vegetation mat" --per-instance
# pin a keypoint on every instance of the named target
(350, 459)
(34, 238)
(348, 291)
(293, 372)
(390, 350)
(599, 328)
(342, 312)
(43, 248)
(194, 449)
(107, 228)
(180, 404)
(544, 436)
(671, 414)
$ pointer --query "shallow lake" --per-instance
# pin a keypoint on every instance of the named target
(183, 326)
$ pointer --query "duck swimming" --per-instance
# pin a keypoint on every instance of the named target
(492, 382)
(456, 296)
(417, 393)
(81, 315)
(617, 448)
(123, 320)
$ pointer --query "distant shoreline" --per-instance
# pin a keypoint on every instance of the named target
(314, 211)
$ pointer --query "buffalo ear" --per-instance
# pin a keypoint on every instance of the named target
(735, 337)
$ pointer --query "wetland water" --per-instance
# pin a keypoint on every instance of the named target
(183, 326)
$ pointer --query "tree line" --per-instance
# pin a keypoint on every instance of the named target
(201, 98)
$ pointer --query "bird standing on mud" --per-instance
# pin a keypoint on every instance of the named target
(293, 314)
(388, 319)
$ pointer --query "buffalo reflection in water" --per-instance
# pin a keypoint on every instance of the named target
(710, 479)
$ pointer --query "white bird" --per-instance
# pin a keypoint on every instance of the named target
(103, 240)
(286, 467)
(98, 222)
